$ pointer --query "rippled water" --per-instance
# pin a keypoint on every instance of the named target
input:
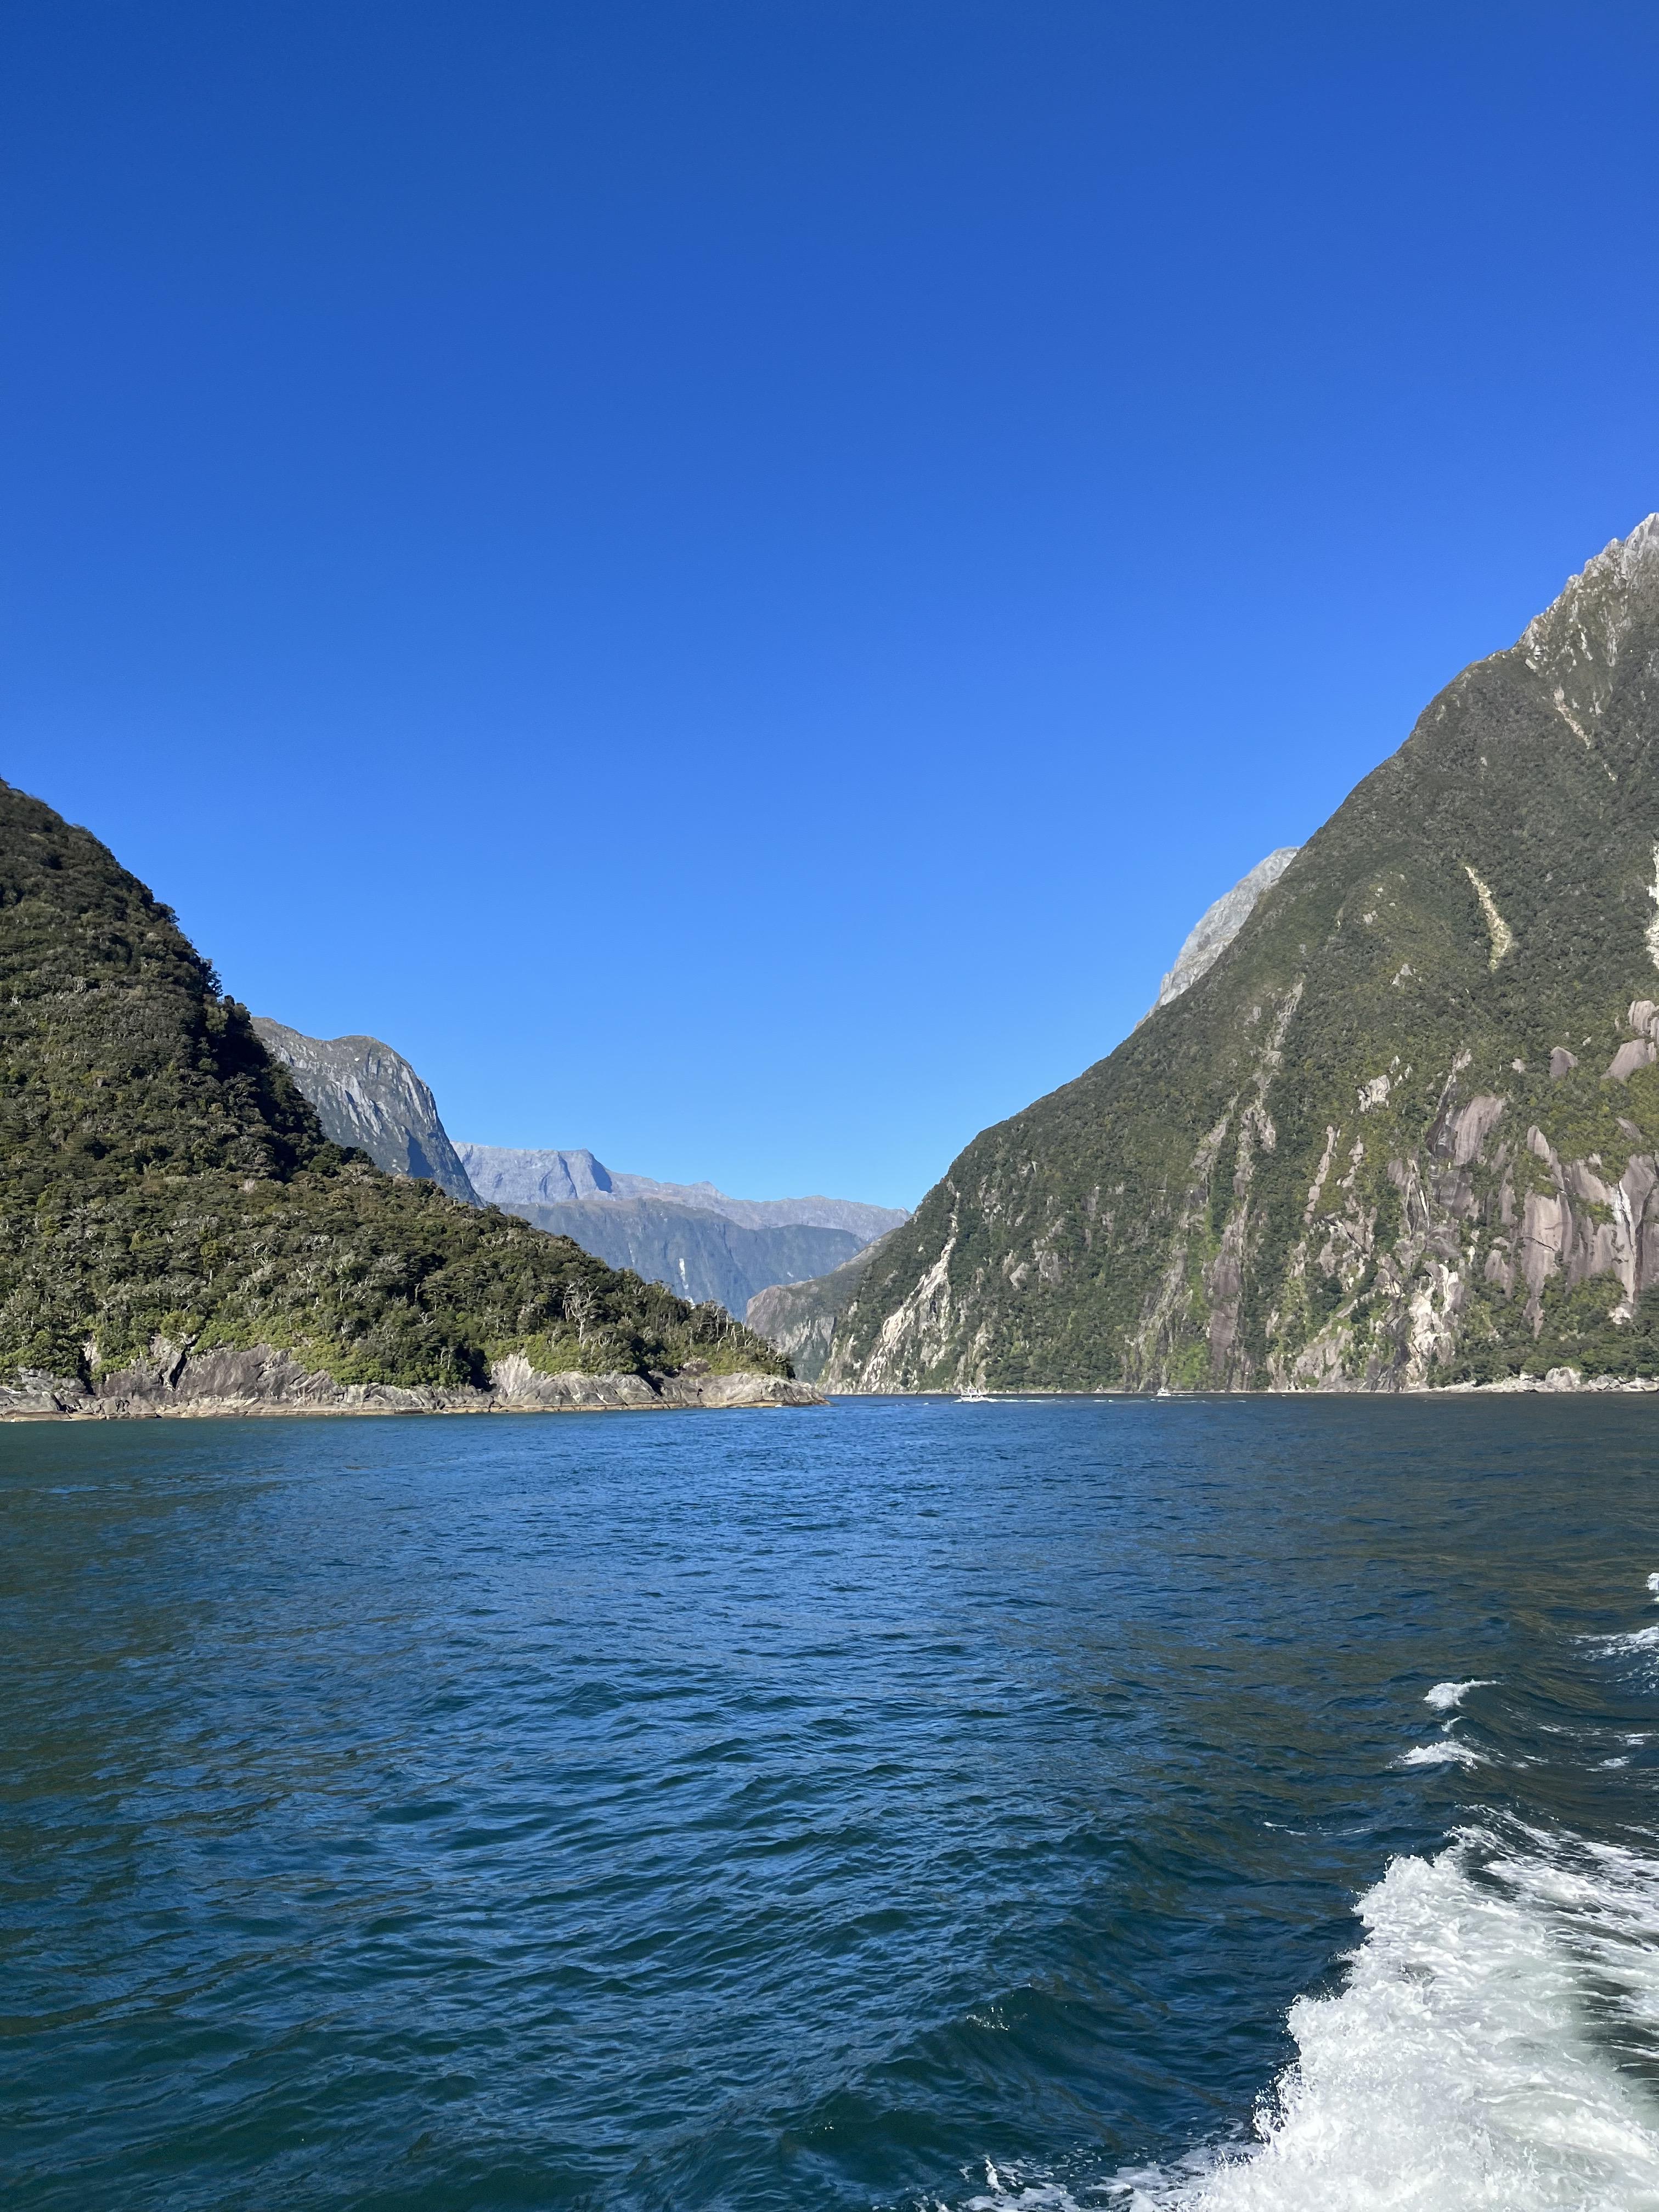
(910, 1804)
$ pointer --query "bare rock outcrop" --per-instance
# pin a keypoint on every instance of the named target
(367, 1096)
(258, 1380)
(1219, 923)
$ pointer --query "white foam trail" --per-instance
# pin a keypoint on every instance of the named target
(1446, 1696)
(1447, 1753)
(1456, 2071)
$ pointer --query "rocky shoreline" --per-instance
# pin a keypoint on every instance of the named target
(1559, 1378)
(261, 1382)
(1558, 1381)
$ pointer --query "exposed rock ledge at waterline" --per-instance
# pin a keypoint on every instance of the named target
(261, 1381)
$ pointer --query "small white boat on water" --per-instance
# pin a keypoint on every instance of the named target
(973, 1395)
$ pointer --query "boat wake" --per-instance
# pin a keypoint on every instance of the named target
(1486, 2054)
(1494, 2046)
(1473, 2059)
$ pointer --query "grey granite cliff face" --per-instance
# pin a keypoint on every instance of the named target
(1217, 926)
(368, 1096)
(510, 1177)
(507, 1176)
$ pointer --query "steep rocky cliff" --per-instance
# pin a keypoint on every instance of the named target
(508, 1175)
(368, 1096)
(1404, 1131)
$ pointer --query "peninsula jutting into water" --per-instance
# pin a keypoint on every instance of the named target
(180, 1236)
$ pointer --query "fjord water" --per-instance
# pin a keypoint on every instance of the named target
(908, 1804)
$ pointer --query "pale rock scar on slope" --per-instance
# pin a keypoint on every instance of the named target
(1503, 937)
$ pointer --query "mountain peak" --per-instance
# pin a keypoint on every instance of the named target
(1586, 624)
(1404, 1132)
(368, 1096)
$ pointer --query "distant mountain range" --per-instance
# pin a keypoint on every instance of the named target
(692, 1238)
(697, 1252)
(505, 1177)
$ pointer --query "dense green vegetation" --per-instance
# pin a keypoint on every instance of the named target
(1166, 1218)
(161, 1176)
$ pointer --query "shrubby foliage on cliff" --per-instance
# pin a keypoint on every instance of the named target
(162, 1175)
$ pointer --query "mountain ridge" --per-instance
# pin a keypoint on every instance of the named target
(691, 1238)
(505, 1175)
(367, 1096)
(1219, 923)
(702, 1256)
(1404, 1131)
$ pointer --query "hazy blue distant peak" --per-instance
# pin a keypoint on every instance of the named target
(1217, 926)
(511, 1177)
(698, 1253)
(505, 1175)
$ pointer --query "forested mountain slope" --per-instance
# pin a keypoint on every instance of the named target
(165, 1188)
(1402, 1131)
(799, 1319)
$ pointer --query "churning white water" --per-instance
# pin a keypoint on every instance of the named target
(1477, 2058)
(1446, 1696)
(1447, 1752)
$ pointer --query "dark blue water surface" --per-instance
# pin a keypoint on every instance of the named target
(784, 1809)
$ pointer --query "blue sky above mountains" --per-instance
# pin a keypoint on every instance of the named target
(731, 579)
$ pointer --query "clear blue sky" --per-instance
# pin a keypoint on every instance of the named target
(730, 578)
